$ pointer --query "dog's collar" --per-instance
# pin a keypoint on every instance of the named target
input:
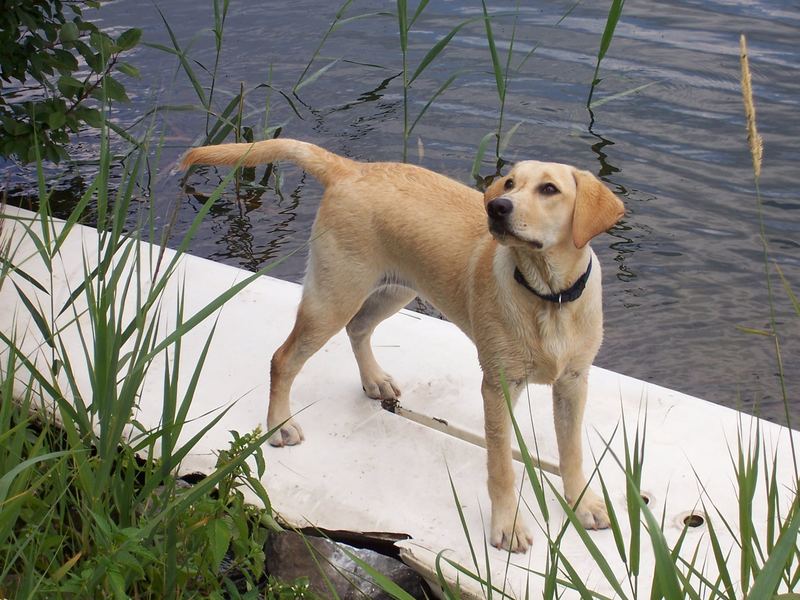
(569, 295)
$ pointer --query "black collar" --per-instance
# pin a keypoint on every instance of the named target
(569, 295)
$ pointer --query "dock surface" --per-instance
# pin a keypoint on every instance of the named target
(365, 469)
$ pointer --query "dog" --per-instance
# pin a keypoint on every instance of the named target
(511, 268)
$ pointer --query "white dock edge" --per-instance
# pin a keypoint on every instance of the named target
(364, 469)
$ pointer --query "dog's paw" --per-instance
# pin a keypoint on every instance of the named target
(510, 532)
(289, 434)
(592, 511)
(380, 386)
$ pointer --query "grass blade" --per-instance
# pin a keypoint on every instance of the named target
(789, 292)
(767, 580)
(386, 584)
(7, 479)
(339, 14)
(420, 8)
(497, 67)
(484, 143)
(463, 520)
(556, 24)
(402, 24)
(536, 483)
(76, 214)
(313, 77)
(616, 530)
(437, 49)
(665, 577)
(721, 560)
(8, 267)
(591, 547)
(42, 248)
(36, 315)
(618, 95)
(198, 88)
(614, 13)
(224, 124)
(438, 93)
(507, 138)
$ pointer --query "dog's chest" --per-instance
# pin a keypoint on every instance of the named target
(554, 339)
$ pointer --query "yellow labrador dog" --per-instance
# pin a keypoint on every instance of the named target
(512, 268)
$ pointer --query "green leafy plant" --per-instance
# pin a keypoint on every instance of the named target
(55, 69)
(279, 590)
(90, 508)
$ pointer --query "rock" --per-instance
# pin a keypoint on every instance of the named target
(291, 555)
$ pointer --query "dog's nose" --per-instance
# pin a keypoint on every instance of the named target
(499, 208)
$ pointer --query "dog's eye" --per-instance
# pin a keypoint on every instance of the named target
(548, 189)
(509, 184)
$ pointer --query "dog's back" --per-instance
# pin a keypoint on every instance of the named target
(417, 219)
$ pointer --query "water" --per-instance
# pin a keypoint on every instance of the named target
(682, 271)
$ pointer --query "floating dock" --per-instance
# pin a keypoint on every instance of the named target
(365, 469)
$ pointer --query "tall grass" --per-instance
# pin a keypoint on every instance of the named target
(405, 20)
(339, 20)
(90, 503)
(404, 26)
(756, 146)
(757, 566)
(221, 119)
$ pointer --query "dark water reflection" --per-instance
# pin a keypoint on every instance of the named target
(683, 269)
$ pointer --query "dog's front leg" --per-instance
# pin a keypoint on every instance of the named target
(508, 530)
(569, 400)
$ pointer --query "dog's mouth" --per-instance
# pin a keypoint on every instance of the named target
(498, 229)
(501, 233)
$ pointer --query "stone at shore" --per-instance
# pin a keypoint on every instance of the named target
(325, 563)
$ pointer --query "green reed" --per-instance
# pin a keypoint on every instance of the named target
(614, 13)
(90, 508)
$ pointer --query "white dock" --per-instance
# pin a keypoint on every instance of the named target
(365, 469)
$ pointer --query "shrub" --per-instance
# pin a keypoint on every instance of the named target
(55, 66)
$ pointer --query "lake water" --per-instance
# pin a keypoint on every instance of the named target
(682, 271)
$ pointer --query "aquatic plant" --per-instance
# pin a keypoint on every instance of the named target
(90, 502)
(47, 95)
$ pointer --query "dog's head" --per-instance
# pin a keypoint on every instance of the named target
(540, 205)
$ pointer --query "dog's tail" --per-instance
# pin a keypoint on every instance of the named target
(321, 164)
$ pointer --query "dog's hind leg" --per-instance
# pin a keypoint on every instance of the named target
(323, 312)
(381, 304)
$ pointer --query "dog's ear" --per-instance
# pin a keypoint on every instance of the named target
(596, 208)
(495, 190)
